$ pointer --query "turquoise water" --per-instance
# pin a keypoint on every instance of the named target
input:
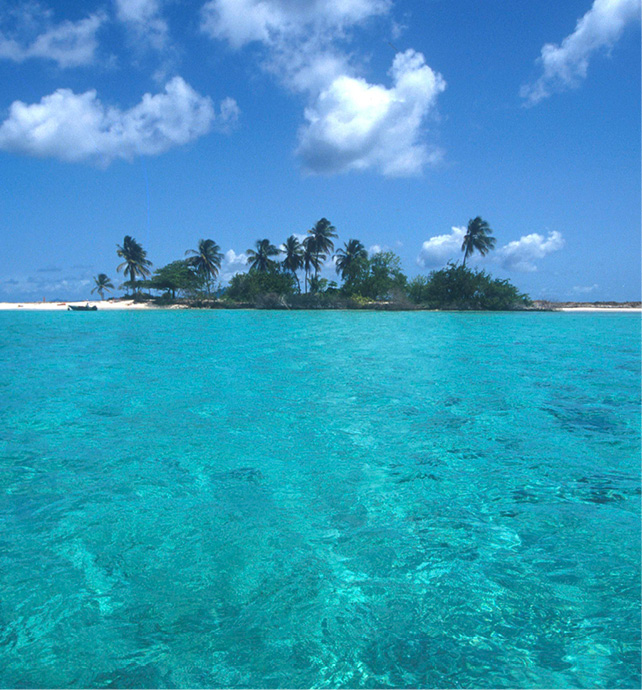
(333, 499)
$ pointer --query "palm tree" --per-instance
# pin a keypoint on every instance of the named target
(322, 233)
(311, 258)
(479, 236)
(347, 259)
(135, 260)
(206, 260)
(293, 260)
(259, 259)
(102, 283)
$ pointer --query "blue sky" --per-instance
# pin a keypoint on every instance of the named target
(399, 120)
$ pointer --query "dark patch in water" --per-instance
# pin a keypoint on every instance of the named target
(523, 496)
(574, 418)
(244, 474)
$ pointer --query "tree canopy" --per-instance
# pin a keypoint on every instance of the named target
(259, 259)
(478, 237)
(206, 260)
(102, 282)
(135, 262)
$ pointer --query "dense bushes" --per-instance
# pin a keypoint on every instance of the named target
(458, 287)
(375, 282)
(376, 278)
(248, 287)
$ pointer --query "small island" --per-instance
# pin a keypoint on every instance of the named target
(288, 277)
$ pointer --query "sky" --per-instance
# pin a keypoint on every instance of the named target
(398, 120)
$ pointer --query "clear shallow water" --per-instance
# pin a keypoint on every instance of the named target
(269, 499)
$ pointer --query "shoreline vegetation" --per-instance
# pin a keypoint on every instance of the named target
(127, 304)
(288, 278)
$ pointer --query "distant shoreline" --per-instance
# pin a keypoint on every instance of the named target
(131, 305)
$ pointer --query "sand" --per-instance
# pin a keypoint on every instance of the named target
(602, 309)
(107, 305)
(120, 305)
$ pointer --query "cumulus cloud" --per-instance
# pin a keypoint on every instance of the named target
(144, 18)
(350, 124)
(521, 254)
(440, 249)
(233, 263)
(354, 125)
(234, 260)
(70, 44)
(78, 127)
(565, 66)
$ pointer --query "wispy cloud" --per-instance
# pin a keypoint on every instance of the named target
(565, 66)
(78, 127)
(584, 289)
(35, 35)
(272, 21)
(37, 287)
(350, 124)
(144, 18)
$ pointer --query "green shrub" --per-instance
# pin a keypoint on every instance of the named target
(458, 287)
(246, 287)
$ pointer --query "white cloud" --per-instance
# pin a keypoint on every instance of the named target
(354, 125)
(351, 124)
(233, 263)
(244, 21)
(144, 18)
(232, 259)
(565, 66)
(440, 249)
(78, 127)
(70, 44)
(521, 254)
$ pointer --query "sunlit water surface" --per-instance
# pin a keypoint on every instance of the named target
(336, 499)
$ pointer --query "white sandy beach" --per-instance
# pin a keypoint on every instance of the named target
(107, 305)
(602, 309)
(124, 305)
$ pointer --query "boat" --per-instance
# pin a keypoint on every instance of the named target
(81, 307)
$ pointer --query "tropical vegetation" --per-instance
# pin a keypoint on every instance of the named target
(206, 261)
(372, 279)
(135, 262)
(102, 283)
(260, 259)
(478, 237)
